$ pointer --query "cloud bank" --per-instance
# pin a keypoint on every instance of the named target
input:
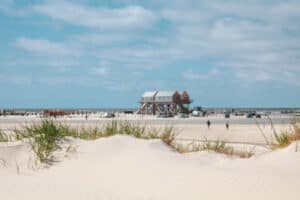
(158, 44)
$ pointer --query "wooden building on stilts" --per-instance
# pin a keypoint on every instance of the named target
(156, 102)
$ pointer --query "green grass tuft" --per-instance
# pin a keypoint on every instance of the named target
(283, 139)
(296, 126)
(168, 136)
(43, 139)
(3, 137)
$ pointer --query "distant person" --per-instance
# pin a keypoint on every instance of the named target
(227, 125)
(86, 117)
(208, 123)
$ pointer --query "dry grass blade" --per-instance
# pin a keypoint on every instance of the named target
(285, 138)
(262, 133)
(3, 136)
(168, 136)
(296, 126)
(3, 163)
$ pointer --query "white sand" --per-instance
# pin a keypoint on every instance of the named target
(122, 167)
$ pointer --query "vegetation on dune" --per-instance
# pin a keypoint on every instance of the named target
(45, 137)
(109, 129)
(153, 133)
(284, 138)
(296, 126)
(3, 137)
(168, 136)
(216, 146)
(136, 130)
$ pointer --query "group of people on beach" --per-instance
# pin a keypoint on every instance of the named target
(209, 123)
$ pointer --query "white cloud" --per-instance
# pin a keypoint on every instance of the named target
(102, 38)
(267, 11)
(16, 79)
(95, 17)
(255, 38)
(42, 46)
(102, 71)
(263, 48)
(184, 15)
(250, 76)
(192, 75)
(8, 7)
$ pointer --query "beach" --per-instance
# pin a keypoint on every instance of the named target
(149, 100)
(124, 167)
(241, 129)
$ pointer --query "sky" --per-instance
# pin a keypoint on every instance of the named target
(106, 53)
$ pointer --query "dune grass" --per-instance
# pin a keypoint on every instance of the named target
(109, 129)
(296, 127)
(168, 136)
(45, 137)
(284, 138)
(3, 136)
(217, 146)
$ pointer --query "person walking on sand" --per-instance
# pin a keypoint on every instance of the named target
(227, 125)
(208, 123)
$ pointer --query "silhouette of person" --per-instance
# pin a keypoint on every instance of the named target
(227, 125)
(208, 123)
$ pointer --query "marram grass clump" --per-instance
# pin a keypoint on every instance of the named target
(220, 147)
(3, 137)
(109, 129)
(284, 138)
(168, 136)
(43, 139)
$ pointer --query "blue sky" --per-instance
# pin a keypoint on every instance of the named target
(89, 53)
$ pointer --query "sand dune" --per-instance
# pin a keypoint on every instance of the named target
(123, 167)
